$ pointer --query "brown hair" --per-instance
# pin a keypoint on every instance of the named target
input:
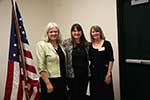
(97, 29)
(83, 40)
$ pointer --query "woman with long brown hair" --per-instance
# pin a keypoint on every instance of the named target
(77, 69)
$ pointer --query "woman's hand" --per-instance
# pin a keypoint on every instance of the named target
(48, 84)
(50, 88)
(108, 78)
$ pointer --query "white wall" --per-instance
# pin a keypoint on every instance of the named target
(37, 13)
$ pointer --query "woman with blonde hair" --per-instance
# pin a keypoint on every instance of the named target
(51, 59)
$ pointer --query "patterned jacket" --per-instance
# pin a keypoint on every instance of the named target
(68, 47)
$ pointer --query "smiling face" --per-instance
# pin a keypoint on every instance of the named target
(53, 34)
(94, 34)
(75, 33)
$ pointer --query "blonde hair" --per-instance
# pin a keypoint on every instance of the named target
(48, 27)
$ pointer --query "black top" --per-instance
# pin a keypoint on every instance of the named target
(80, 61)
(62, 61)
(99, 66)
(100, 57)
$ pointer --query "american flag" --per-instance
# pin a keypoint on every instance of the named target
(16, 80)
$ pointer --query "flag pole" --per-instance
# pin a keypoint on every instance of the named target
(21, 53)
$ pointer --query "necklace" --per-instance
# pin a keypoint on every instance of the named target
(98, 44)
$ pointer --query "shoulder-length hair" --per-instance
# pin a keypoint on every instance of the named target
(97, 29)
(83, 40)
(48, 27)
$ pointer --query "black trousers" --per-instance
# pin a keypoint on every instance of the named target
(77, 88)
(59, 93)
